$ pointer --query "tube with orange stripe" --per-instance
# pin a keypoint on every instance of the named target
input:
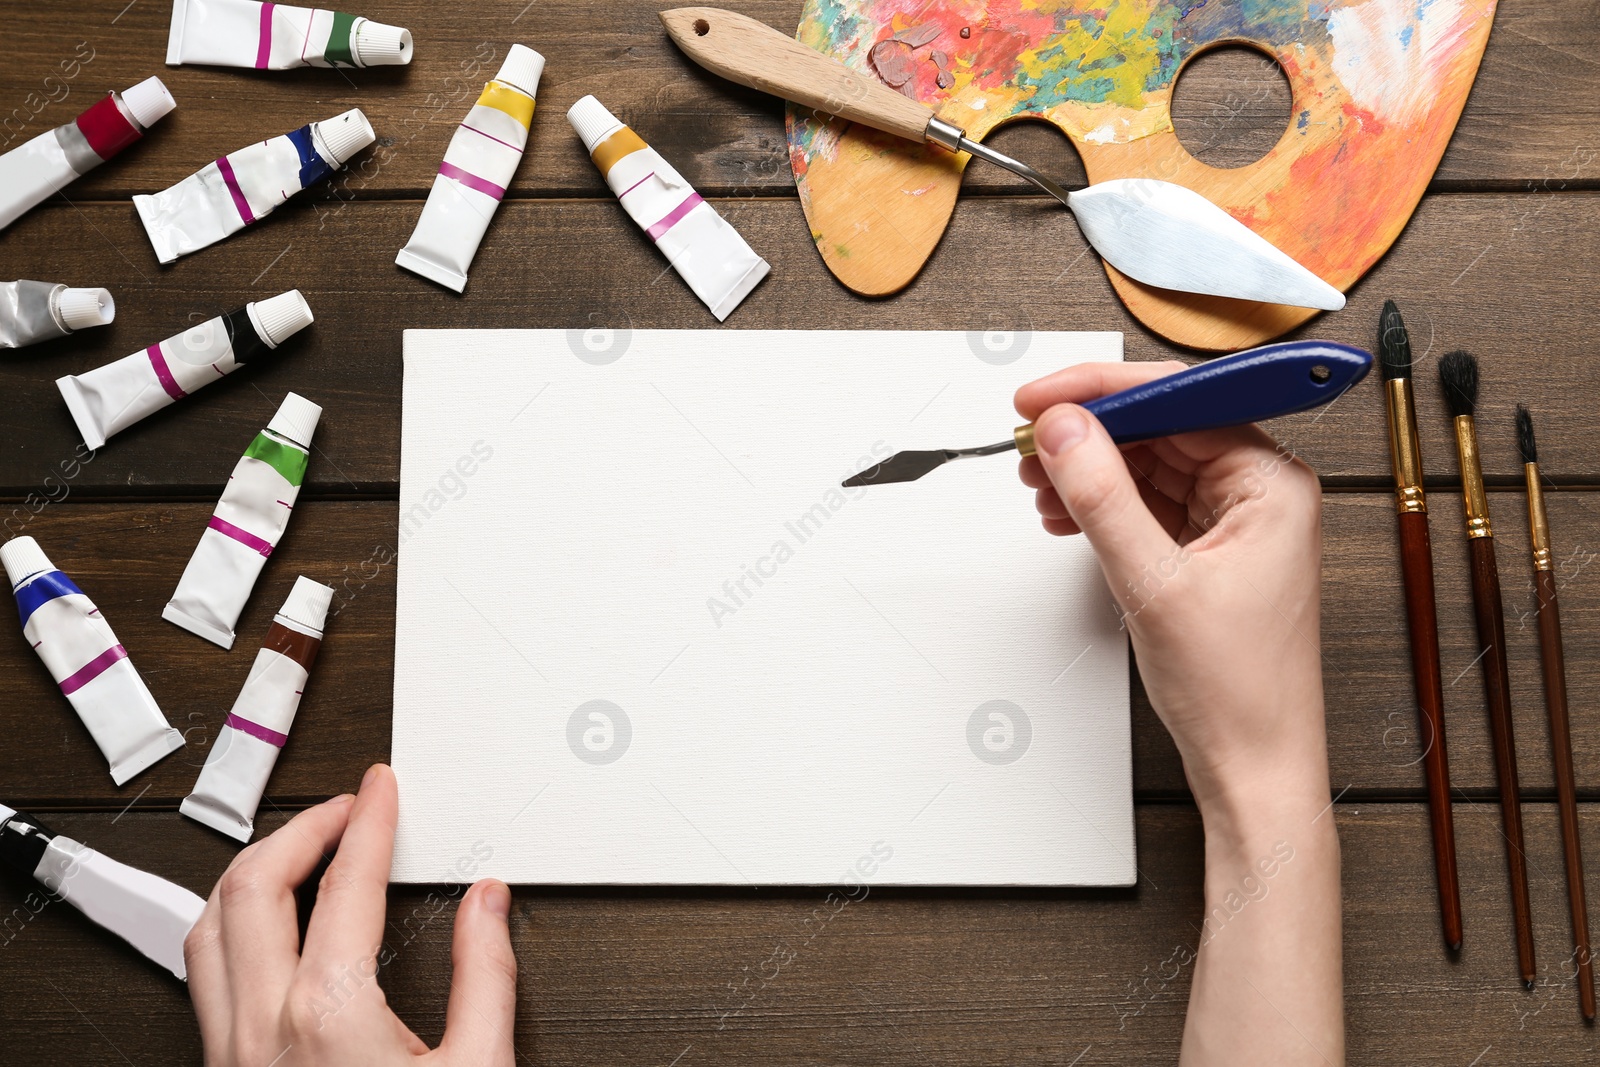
(706, 252)
(479, 164)
(87, 662)
(111, 398)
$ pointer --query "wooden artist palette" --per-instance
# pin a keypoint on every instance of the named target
(1378, 87)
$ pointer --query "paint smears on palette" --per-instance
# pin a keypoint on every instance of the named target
(1378, 87)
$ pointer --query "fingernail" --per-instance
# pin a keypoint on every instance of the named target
(1062, 427)
(371, 775)
(497, 899)
(343, 798)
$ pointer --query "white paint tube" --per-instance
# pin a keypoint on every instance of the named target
(243, 33)
(87, 661)
(246, 526)
(230, 193)
(235, 776)
(707, 253)
(111, 398)
(479, 164)
(31, 312)
(37, 170)
(149, 913)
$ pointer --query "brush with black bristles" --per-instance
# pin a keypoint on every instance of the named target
(1416, 566)
(1555, 698)
(1458, 373)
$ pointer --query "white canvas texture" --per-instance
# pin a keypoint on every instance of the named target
(644, 637)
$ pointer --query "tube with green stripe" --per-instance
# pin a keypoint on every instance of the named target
(246, 526)
(244, 33)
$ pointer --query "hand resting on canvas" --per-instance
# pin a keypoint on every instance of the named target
(262, 998)
(1211, 544)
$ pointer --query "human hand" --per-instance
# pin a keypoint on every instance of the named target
(262, 998)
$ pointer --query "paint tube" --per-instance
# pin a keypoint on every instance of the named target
(242, 33)
(707, 253)
(246, 526)
(230, 193)
(31, 312)
(37, 170)
(111, 398)
(149, 913)
(482, 157)
(87, 662)
(235, 776)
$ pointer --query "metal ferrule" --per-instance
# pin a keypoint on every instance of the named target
(1404, 448)
(1023, 435)
(1537, 523)
(1472, 495)
(944, 134)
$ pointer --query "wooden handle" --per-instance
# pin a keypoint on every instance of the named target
(756, 55)
(1416, 558)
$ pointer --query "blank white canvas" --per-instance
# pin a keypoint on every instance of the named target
(644, 637)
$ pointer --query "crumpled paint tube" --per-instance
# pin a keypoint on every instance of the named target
(149, 913)
(111, 398)
(88, 663)
(32, 172)
(246, 526)
(31, 312)
(230, 193)
(243, 33)
(479, 164)
(707, 253)
(235, 776)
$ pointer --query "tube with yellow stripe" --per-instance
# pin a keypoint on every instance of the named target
(479, 164)
(706, 252)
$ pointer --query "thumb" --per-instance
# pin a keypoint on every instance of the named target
(481, 1019)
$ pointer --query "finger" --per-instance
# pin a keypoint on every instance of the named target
(1031, 471)
(346, 928)
(1061, 527)
(1087, 381)
(1048, 502)
(207, 973)
(481, 1018)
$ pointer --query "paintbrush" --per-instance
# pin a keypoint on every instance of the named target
(1416, 566)
(1555, 698)
(1251, 386)
(1458, 373)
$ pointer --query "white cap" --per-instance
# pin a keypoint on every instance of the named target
(522, 69)
(82, 308)
(280, 317)
(592, 121)
(148, 102)
(377, 45)
(23, 557)
(296, 419)
(345, 135)
(308, 603)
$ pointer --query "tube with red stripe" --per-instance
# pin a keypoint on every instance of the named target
(35, 171)
(247, 525)
(109, 399)
(235, 776)
(87, 661)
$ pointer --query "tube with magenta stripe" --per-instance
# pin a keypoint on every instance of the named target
(88, 663)
(244, 33)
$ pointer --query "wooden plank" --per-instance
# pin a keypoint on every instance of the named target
(897, 977)
(129, 556)
(721, 137)
(1495, 292)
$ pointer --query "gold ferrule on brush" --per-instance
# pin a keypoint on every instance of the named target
(1472, 495)
(1537, 523)
(1023, 435)
(1404, 448)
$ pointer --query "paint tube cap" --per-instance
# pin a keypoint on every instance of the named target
(148, 102)
(83, 308)
(345, 135)
(378, 45)
(522, 69)
(592, 121)
(23, 557)
(308, 603)
(296, 419)
(280, 317)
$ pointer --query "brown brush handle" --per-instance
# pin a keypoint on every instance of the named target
(1416, 564)
(1555, 697)
(1497, 691)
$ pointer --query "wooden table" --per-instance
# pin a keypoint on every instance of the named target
(1501, 257)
